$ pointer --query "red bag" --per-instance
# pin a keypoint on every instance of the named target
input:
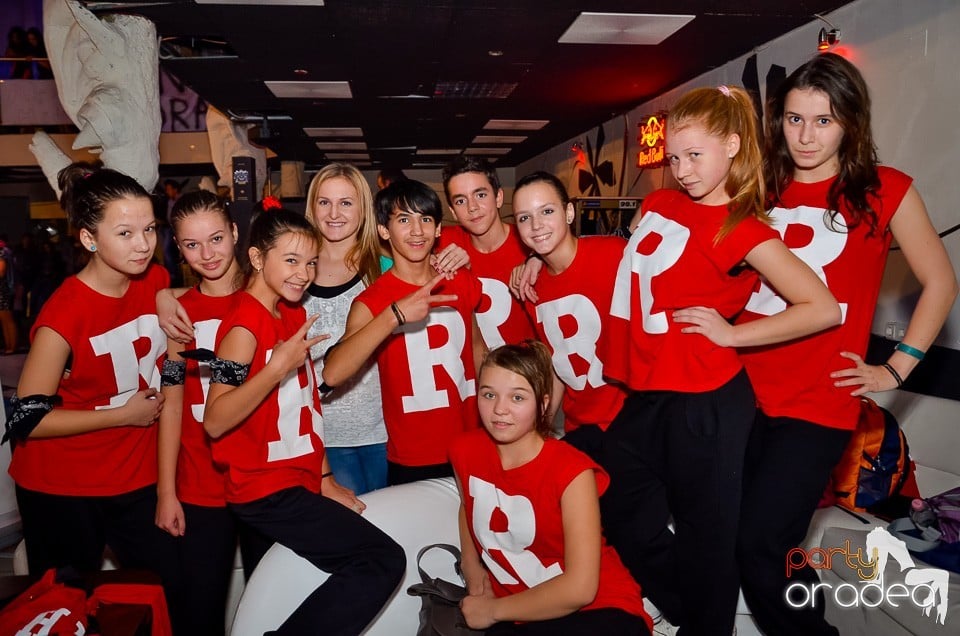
(46, 607)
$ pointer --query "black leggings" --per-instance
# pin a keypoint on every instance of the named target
(365, 565)
(65, 530)
(207, 551)
(614, 622)
(680, 455)
(788, 465)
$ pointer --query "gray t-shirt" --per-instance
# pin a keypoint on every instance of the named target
(352, 412)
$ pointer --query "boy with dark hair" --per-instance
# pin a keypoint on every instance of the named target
(475, 198)
(421, 327)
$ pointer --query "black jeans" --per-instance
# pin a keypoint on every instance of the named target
(400, 474)
(365, 565)
(65, 530)
(680, 455)
(206, 550)
(789, 463)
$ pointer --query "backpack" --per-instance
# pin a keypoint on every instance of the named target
(876, 462)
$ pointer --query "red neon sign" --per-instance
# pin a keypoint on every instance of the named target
(652, 139)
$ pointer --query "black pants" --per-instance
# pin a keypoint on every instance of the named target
(400, 474)
(788, 465)
(365, 565)
(588, 439)
(681, 455)
(63, 530)
(614, 622)
(206, 552)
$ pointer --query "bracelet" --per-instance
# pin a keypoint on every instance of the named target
(893, 372)
(325, 475)
(399, 314)
(910, 351)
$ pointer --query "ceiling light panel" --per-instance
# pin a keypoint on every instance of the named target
(623, 28)
(487, 151)
(439, 151)
(310, 90)
(499, 139)
(333, 132)
(342, 145)
(267, 3)
(347, 156)
(516, 124)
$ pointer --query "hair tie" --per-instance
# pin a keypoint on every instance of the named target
(270, 202)
(723, 88)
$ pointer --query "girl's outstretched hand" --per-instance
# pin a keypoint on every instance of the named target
(478, 609)
(143, 408)
(708, 322)
(416, 306)
(866, 378)
(292, 353)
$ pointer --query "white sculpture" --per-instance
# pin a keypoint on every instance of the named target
(228, 140)
(107, 79)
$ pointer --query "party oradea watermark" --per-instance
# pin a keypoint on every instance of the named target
(925, 588)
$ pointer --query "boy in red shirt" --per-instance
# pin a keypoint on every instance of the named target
(422, 328)
(494, 247)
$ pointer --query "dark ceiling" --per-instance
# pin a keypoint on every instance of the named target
(428, 75)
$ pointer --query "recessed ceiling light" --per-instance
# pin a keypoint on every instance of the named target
(487, 151)
(623, 28)
(310, 90)
(495, 53)
(499, 139)
(342, 145)
(439, 151)
(346, 156)
(516, 124)
(333, 131)
(272, 3)
(302, 72)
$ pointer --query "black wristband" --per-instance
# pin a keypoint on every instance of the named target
(325, 475)
(893, 372)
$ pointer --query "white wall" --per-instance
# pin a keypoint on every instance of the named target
(909, 53)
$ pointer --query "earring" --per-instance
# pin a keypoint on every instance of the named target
(93, 248)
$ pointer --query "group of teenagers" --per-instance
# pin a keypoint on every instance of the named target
(707, 373)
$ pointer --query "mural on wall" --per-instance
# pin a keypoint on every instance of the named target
(591, 172)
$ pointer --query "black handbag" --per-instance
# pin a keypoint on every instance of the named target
(440, 613)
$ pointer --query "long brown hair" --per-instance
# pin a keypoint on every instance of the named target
(858, 180)
(364, 256)
(726, 111)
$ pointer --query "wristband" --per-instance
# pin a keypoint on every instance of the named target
(399, 314)
(325, 475)
(893, 372)
(910, 351)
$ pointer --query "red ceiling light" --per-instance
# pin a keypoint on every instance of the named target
(827, 39)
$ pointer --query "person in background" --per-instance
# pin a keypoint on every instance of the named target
(828, 192)
(534, 558)
(389, 175)
(8, 326)
(677, 446)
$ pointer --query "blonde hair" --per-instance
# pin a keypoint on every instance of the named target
(726, 111)
(364, 256)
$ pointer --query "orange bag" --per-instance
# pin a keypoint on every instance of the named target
(876, 463)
